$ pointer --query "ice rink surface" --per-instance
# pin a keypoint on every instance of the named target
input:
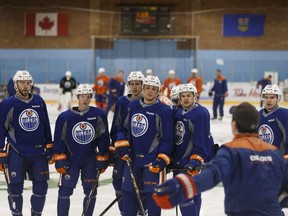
(212, 200)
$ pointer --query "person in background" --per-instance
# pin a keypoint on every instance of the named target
(220, 90)
(263, 83)
(10, 88)
(242, 165)
(67, 85)
(81, 140)
(24, 122)
(134, 83)
(116, 89)
(101, 87)
(196, 81)
(169, 83)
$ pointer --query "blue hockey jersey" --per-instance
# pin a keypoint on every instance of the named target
(25, 124)
(149, 129)
(192, 135)
(81, 134)
(273, 128)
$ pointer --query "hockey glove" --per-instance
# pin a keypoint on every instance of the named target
(49, 153)
(3, 159)
(159, 164)
(123, 149)
(61, 163)
(210, 93)
(102, 162)
(112, 155)
(174, 191)
(285, 156)
(195, 164)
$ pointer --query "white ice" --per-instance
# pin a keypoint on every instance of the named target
(212, 200)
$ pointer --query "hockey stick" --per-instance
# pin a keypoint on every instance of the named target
(13, 203)
(93, 189)
(128, 160)
(110, 205)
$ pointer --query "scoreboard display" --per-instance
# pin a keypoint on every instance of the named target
(147, 20)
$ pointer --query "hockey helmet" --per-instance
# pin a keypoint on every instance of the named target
(68, 73)
(149, 72)
(135, 76)
(101, 70)
(272, 89)
(172, 72)
(175, 93)
(194, 70)
(152, 81)
(84, 89)
(188, 87)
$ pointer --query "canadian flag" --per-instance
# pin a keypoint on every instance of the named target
(46, 24)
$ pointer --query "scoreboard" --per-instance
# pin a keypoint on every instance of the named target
(147, 20)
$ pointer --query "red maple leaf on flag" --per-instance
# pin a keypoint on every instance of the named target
(46, 24)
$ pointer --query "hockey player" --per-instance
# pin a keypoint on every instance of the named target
(220, 92)
(24, 122)
(101, 87)
(81, 147)
(134, 83)
(263, 83)
(193, 141)
(116, 89)
(146, 136)
(251, 172)
(67, 85)
(175, 97)
(170, 82)
(273, 126)
(196, 81)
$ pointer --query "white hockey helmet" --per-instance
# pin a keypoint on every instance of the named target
(68, 73)
(175, 92)
(149, 72)
(101, 70)
(194, 70)
(84, 89)
(172, 72)
(188, 87)
(136, 76)
(152, 81)
(272, 89)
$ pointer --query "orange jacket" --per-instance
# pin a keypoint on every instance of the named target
(197, 82)
(101, 84)
(169, 84)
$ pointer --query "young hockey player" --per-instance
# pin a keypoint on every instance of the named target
(67, 85)
(101, 87)
(251, 172)
(145, 138)
(24, 122)
(134, 83)
(193, 141)
(170, 82)
(81, 147)
(196, 81)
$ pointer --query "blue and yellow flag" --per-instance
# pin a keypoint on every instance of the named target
(243, 25)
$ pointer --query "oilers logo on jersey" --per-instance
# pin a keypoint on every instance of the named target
(266, 133)
(29, 120)
(83, 133)
(139, 124)
(67, 84)
(179, 132)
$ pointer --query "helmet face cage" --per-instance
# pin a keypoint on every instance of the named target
(152, 81)
(84, 89)
(22, 76)
(135, 76)
(271, 89)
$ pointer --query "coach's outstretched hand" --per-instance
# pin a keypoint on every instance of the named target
(174, 191)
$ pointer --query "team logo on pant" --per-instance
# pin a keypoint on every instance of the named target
(83, 133)
(266, 134)
(29, 120)
(139, 124)
(179, 132)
